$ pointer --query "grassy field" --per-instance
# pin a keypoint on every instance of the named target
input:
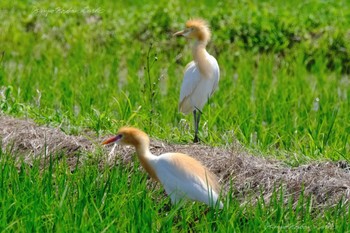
(284, 92)
(109, 200)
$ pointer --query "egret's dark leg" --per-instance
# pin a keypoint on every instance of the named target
(197, 117)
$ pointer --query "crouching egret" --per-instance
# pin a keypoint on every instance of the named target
(201, 75)
(182, 176)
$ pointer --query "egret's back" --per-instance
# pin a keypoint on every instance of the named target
(185, 177)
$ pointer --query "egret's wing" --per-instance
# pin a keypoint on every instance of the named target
(197, 89)
(179, 179)
(189, 83)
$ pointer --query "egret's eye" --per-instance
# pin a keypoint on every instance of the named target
(119, 136)
(189, 29)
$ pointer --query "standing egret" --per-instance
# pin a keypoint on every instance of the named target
(201, 75)
(181, 175)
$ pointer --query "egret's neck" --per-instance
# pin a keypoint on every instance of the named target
(200, 56)
(145, 156)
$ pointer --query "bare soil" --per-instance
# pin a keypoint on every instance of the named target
(249, 176)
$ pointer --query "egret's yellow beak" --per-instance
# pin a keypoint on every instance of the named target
(112, 139)
(179, 33)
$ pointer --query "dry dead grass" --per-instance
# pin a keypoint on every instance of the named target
(251, 176)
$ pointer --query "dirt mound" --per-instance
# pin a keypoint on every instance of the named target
(24, 137)
(251, 176)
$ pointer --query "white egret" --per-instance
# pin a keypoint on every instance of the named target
(182, 176)
(201, 75)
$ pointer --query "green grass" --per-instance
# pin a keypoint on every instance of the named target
(284, 85)
(108, 199)
(284, 91)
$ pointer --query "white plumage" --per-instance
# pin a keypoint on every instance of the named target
(201, 75)
(182, 176)
(182, 182)
(196, 90)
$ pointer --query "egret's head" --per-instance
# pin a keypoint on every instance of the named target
(128, 136)
(195, 29)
